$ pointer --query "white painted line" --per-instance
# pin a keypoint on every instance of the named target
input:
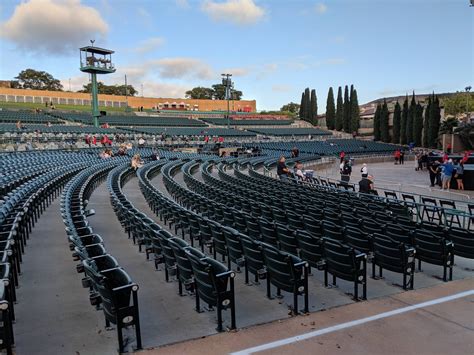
(334, 328)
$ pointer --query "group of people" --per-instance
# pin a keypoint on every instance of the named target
(284, 173)
(399, 156)
(441, 174)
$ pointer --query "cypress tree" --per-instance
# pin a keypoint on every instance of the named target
(330, 110)
(347, 111)
(377, 123)
(384, 136)
(339, 110)
(307, 105)
(418, 125)
(314, 108)
(355, 114)
(435, 123)
(427, 124)
(403, 122)
(397, 116)
(411, 120)
(302, 106)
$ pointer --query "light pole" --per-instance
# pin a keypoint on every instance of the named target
(227, 82)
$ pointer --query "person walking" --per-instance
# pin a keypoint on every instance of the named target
(345, 171)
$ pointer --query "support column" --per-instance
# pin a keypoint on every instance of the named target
(95, 100)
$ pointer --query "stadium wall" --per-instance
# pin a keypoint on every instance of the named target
(77, 98)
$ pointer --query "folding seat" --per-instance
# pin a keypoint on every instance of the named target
(288, 273)
(399, 233)
(286, 239)
(347, 263)
(234, 247)
(394, 256)
(450, 214)
(430, 210)
(434, 228)
(6, 325)
(214, 285)
(391, 195)
(310, 248)
(240, 222)
(254, 260)
(370, 226)
(167, 253)
(253, 227)
(183, 265)
(119, 299)
(435, 250)
(332, 230)
(219, 245)
(463, 240)
(268, 230)
(294, 220)
(357, 239)
(88, 251)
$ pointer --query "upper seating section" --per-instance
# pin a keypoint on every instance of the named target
(9, 116)
(246, 122)
(41, 128)
(132, 120)
(224, 132)
(290, 131)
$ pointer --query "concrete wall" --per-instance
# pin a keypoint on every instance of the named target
(76, 98)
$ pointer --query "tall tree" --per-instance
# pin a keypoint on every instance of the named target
(292, 107)
(301, 111)
(339, 111)
(377, 122)
(404, 122)
(347, 111)
(384, 115)
(110, 89)
(435, 121)
(330, 110)
(314, 108)
(397, 116)
(418, 125)
(219, 93)
(427, 124)
(38, 80)
(199, 93)
(411, 120)
(307, 105)
(355, 113)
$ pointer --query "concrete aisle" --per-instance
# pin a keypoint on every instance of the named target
(53, 313)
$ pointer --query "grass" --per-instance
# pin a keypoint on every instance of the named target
(32, 106)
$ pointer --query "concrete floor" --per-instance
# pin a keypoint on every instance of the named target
(55, 317)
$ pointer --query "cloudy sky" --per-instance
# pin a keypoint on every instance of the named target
(274, 48)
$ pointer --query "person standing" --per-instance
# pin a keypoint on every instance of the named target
(366, 185)
(346, 171)
(433, 170)
(396, 155)
(459, 174)
(364, 171)
(342, 156)
(402, 157)
(448, 169)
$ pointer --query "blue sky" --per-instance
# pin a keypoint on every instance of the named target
(274, 48)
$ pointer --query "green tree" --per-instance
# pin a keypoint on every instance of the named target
(110, 89)
(418, 125)
(314, 108)
(459, 102)
(339, 111)
(411, 120)
(384, 115)
(199, 93)
(448, 125)
(330, 110)
(301, 111)
(404, 122)
(466, 134)
(290, 107)
(397, 116)
(347, 111)
(435, 121)
(219, 93)
(377, 135)
(38, 80)
(427, 124)
(355, 113)
(307, 105)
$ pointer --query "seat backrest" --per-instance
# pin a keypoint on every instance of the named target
(310, 247)
(234, 246)
(253, 254)
(340, 259)
(178, 247)
(463, 240)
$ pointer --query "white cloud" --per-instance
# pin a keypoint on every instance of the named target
(237, 71)
(338, 39)
(183, 68)
(240, 12)
(334, 61)
(281, 88)
(157, 89)
(184, 4)
(266, 70)
(53, 26)
(320, 8)
(149, 44)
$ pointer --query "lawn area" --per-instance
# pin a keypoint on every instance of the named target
(32, 106)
